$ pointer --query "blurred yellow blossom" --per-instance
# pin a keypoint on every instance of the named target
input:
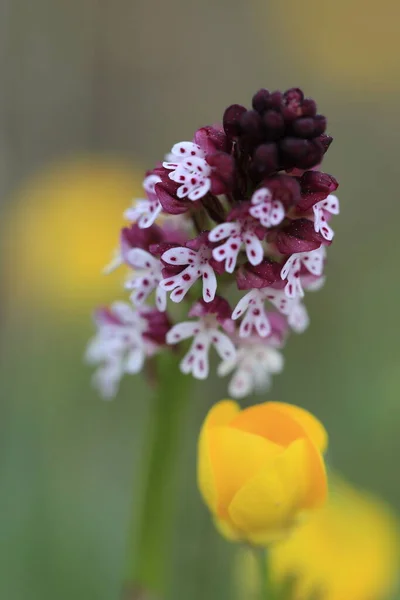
(348, 550)
(61, 227)
(261, 468)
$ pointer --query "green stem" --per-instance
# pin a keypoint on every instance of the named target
(147, 566)
(265, 590)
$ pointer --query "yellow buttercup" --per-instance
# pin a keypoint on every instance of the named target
(260, 469)
(348, 550)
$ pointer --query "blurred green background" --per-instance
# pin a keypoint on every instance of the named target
(92, 92)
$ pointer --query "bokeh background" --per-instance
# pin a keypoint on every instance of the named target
(93, 92)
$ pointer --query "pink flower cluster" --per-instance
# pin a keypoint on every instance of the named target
(241, 207)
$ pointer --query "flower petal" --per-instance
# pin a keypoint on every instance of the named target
(209, 283)
(182, 331)
(265, 420)
(263, 508)
(236, 457)
(223, 231)
(179, 256)
(313, 428)
(220, 414)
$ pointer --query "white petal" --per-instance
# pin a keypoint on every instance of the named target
(260, 196)
(114, 263)
(293, 288)
(223, 345)
(182, 331)
(147, 220)
(246, 326)
(320, 223)
(180, 175)
(209, 283)
(140, 295)
(138, 208)
(140, 259)
(170, 165)
(179, 256)
(292, 264)
(125, 313)
(298, 318)
(279, 299)
(184, 149)
(106, 380)
(314, 261)
(277, 213)
(161, 299)
(200, 368)
(134, 361)
(226, 366)
(241, 384)
(200, 190)
(149, 183)
(228, 252)
(183, 191)
(275, 360)
(331, 204)
(242, 305)
(254, 248)
(198, 165)
(196, 360)
(223, 231)
(180, 291)
(315, 285)
(261, 322)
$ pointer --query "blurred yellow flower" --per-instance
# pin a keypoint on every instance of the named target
(348, 550)
(261, 468)
(347, 43)
(61, 228)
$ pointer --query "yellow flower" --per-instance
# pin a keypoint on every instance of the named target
(348, 550)
(60, 230)
(261, 468)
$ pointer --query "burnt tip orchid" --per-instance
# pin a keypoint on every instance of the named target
(241, 205)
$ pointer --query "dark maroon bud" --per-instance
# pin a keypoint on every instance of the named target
(300, 153)
(212, 139)
(316, 181)
(231, 119)
(158, 324)
(319, 124)
(309, 108)
(315, 186)
(304, 127)
(275, 100)
(284, 188)
(274, 125)
(251, 124)
(326, 141)
(265, 158)
(298, 236)
(260, 101)
(293, 96)
(137, 237)
(263, 275)
(214, 208)
(292, 101)
(223, 172)
(170, 203)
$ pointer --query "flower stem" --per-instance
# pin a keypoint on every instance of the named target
(264, 587)
(147, 561)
